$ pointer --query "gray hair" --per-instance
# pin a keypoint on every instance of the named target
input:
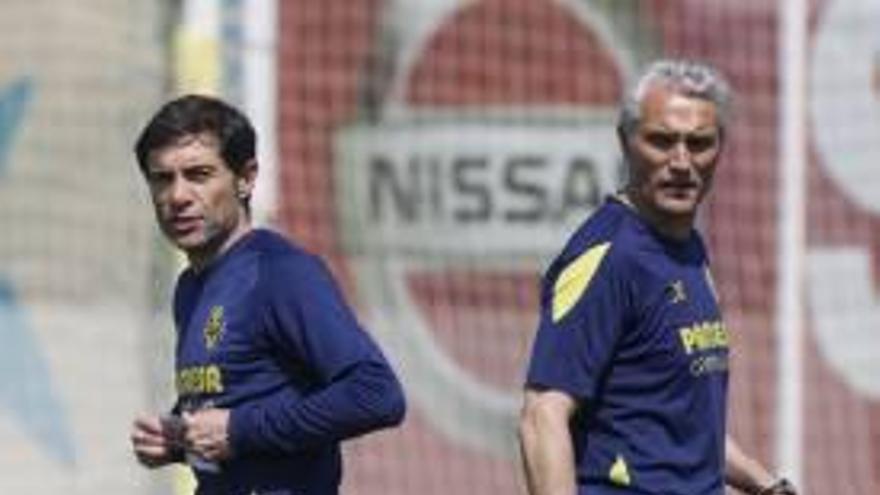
(687, 77)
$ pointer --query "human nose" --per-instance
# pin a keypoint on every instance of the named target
(179, 192)
(680, 156)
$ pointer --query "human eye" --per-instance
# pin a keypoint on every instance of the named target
(661, 140)
(199, 174)
(699, 143)
(159, 178)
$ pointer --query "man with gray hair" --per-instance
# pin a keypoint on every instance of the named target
(626, 391)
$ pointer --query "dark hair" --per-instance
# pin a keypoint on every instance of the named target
(196, 114)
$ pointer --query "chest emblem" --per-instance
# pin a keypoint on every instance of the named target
(676, 292)
(214, 327)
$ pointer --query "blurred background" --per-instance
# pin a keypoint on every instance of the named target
(436, 153)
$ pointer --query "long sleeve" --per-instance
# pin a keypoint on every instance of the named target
(353, 388)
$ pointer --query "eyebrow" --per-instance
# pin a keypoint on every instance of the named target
(702, 131)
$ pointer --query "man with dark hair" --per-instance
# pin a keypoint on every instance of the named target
(627, 387)
(272, 369)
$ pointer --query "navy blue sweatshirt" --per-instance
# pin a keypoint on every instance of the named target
(631, 328)
(264, 331)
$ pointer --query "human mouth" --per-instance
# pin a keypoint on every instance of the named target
(679, 188)
(184, 224)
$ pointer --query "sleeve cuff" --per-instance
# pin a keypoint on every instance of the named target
(241, 439)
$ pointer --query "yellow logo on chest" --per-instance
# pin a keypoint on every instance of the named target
(703, 336)
(214, 327)
(196, 380)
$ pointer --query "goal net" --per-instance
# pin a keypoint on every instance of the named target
(439, 152)
(77, 273)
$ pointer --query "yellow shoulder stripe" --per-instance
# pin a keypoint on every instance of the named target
(575, 279)
(619, 472)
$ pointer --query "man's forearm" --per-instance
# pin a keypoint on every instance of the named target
(548, 458)
(742, 472)
(365, 399)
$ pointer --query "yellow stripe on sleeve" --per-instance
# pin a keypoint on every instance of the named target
(619, 473)
(575, 278)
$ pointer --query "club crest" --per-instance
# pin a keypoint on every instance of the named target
(214, 328)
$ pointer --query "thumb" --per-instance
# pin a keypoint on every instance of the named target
(188, 418)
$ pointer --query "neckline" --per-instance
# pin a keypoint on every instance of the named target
(626, 205)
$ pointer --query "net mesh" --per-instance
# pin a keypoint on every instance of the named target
(437, 153)
(421, 139)
(77, 250)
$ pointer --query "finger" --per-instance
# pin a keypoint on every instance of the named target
(151, 460)
(150, 450)
(146, 437)
(151, 456)
(188, 418)
(194, 440)
(212, 452)
(148, 424)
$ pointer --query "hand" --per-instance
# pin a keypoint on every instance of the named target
(207, 433)
(780, 487)
(152, 442)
